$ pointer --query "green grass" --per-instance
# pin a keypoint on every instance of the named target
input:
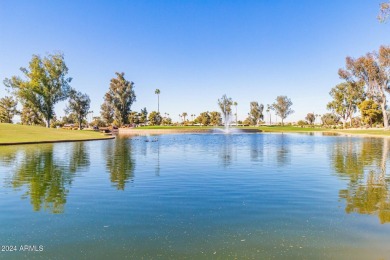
(12, 133)
(290, 129)
(174, 127)
(263, 128)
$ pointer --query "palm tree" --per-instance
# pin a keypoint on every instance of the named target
(269, 108)
(157, 91)
(235, 104)
(184, 116)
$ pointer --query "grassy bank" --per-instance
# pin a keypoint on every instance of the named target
(173, 127)
(291, 129)
(10, 133)
(263, 128)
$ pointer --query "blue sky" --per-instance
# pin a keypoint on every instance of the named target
(195, 51)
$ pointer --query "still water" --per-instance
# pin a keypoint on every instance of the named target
(198, 196)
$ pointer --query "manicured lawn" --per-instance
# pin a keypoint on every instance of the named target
(174, 127)
(12, 133)
(375, 132)
(263, 128)
(290, 129)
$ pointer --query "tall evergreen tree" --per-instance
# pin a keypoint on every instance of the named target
(7, 109)
(120, 96)
(30, 115)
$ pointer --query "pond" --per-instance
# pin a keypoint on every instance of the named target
(198, 196)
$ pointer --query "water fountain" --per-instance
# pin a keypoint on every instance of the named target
(225, 104)
(226, 123)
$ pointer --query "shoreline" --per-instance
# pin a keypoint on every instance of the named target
(135, 131)
(349, 133)
(132, 131)
(58, 141)
(359, 135)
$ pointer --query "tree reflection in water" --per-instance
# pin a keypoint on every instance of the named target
(256, 148)
(283, 151)
(119, 161)
(225, 150)
(46, 176)
(364, 165)
(8, 155)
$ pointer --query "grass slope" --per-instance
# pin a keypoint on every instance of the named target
(11, 133)
(290, 129)
(173, 127)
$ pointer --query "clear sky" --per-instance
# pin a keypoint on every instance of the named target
(195, 51)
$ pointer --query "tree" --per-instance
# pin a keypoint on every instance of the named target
(235, 104)
(247, 121)
(371, 112)
(120, 96)
(184, 116)
(157, 92)
(143, 116)
(269, 108)
(96, 121)
(225, 104)
(215, 118)
(302, 123)
(203, 118)
(134, 118)
(373, 70)
(255, 113)
(107, 112)
(46, 84)
(346, 97)
(310, 118)
(79, 104)
(330, 119)
(282, 107)
(155, 118)
(384, 11)
(31, 116)
(7, 109)
(70, 118)
(166, 121)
